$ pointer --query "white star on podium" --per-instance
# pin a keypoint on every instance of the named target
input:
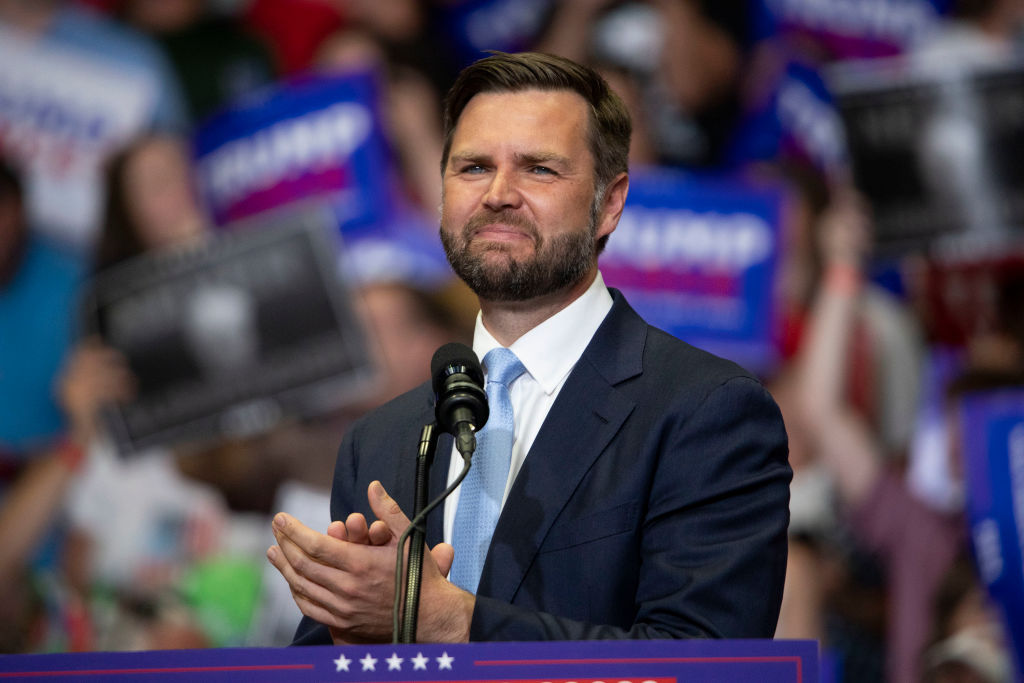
(394, 662)
(342, 663)
(369, 663)
(419, 662)
(445, 662)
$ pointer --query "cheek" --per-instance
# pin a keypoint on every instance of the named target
(455, 214)
(567, 213)
(456, 195)
(449, 231)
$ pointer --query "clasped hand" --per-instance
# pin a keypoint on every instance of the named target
(344, 579)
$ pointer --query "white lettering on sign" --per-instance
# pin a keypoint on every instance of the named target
(286, 149)
(1016, 450)
(898, 21)
(680, 239)
(504, 22)
(813, 121)
(987, 549)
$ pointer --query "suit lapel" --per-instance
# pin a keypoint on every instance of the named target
(585, 417)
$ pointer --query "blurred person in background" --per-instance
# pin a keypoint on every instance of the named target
(683, 56)
(411, 110)
(151, 201)
(916, 543)
(886, 346)
(397, 40)
(293, 28)
(136, 524)
(404, 30)
(93, 84)
(215, 58)
(409, 324)
(69, 25)
(38, 293)
(38, 296)
(835, 591)
(298, 30)
(150, 187)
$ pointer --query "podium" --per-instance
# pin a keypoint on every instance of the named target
(619, 661)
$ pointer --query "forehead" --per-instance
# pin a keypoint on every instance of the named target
(556, 120)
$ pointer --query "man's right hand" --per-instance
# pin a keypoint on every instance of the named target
(345, 579)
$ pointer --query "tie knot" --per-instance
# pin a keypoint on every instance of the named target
(503, 366)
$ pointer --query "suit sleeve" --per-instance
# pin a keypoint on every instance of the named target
(713, 539)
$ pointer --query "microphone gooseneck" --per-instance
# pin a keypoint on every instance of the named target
(460, 409)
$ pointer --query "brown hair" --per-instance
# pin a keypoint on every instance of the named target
(610, 126)
(10, 182)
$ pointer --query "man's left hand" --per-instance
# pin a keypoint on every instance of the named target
(345, 579)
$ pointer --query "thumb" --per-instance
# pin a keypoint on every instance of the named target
(443, 555)
(386, 509)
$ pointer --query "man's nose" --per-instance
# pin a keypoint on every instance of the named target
(503, 191)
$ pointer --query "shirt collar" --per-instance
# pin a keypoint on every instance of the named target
(550, 350)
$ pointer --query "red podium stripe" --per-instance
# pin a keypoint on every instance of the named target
(651, 660)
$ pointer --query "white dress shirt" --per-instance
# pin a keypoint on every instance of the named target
(549, 353)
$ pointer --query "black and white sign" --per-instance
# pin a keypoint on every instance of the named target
(938, 152)
(228, 338)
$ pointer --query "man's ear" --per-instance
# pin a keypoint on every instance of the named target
(614, 202)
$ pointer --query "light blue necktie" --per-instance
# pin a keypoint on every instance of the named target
(483, 488)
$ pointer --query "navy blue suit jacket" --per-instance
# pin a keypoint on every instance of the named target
(653, 503)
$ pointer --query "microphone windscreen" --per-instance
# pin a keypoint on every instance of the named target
(451, 358)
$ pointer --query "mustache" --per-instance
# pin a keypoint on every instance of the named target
(505, 216)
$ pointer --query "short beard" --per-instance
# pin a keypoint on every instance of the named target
(557, 264)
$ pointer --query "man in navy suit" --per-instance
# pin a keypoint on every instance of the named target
(648, 486)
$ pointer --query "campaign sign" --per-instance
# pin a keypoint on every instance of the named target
(799, 121)
(313, 137)
(698, 258)
(992, 425)
(937, 152)
(849, 29)
(618, 661)
(227, 338)
(62, 113)
(474, 26)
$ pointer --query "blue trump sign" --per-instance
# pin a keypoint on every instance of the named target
(993, 448)
(311, 138)
(698, 259)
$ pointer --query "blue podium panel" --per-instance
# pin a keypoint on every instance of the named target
(648, 661)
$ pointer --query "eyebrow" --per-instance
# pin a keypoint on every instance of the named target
(542, 158)
(523, 159)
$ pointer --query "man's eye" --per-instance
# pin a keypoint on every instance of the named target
(542, 170)
(472, 169)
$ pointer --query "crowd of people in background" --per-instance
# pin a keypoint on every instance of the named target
(165, 548)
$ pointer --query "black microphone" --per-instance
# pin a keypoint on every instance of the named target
(461, 407)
